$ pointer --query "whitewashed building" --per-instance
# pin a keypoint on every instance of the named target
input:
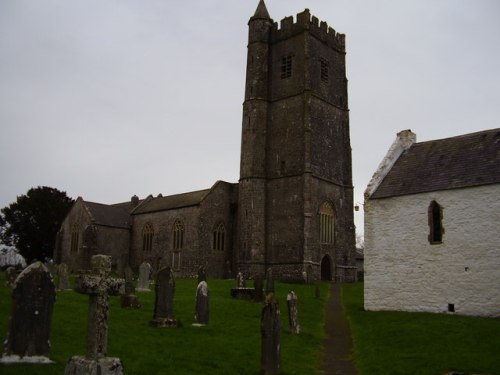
(432, 226)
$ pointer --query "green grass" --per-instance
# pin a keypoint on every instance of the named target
(390, 343)
(230, 344)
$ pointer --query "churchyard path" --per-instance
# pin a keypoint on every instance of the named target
(338, 340)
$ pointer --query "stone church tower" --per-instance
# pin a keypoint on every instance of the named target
(295, 205)
(292, 209)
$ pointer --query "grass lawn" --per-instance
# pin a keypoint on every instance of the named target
(389, 343)
(230, 344)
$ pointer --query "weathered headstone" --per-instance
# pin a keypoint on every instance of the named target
(33, 300)
(202, 304)
(293, 314)
(202, 274)
(269, 281)
(129, 299)
(10, 277)
(63, 277)
(144, 275)
(270, 326)
(258, 283)
(240, 280)
(99, 286)
(164, 299)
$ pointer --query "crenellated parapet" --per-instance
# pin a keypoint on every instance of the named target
(305, 22)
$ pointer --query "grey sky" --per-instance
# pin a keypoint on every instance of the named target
(107, 99)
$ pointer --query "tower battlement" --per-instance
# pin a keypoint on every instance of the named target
(305, 22)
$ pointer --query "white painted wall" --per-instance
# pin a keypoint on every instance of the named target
(403, 271)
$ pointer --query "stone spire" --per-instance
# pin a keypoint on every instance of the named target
(261, 11)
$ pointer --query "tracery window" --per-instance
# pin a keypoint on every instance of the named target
(178, 235)
(326, 223)
(75, 238)
(436, 230)
(219, 237)
(147, 237)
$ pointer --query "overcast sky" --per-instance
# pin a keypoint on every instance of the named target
(105, 99)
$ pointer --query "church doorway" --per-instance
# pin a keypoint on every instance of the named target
(326, 269)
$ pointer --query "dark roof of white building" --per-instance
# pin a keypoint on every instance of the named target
(458, 162)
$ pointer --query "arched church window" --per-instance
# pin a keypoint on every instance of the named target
(326, 223)
(75, 238)
(178, 235)
(219, 237)
(147, 237)
(436, 230)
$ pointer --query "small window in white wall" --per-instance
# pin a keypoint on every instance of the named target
(436, 230)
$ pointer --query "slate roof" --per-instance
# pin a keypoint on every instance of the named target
(451, 163)
(170, 202)
(116, 215)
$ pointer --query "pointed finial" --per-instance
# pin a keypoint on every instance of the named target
(261, 11)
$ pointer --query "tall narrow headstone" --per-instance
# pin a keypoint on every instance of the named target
(63, 277)
(202, 274)
(270, 326)
(129, 299)
(258, 283)
(164, 299)
(99, 286)
(240, 280)
(293, 314)
(269, 281)
(202, 303)
(144, 276)
(33, 300)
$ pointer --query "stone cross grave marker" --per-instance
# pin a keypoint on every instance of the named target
(33, 300)
(164, 299)
(129, 299)
(144, 275)
(293, 313)
(202, 303)
(99, 286)
(63, 277)
(270, 337)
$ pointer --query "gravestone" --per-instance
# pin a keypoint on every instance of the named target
(202, 304)
(144, 276)
(202, 274)
(293, 314)
(99, 286)
(258, 283)
(33, 300)
(63, 277)
(129, 299)
(270, 326)
(10, 277)
(164, 299)
(269, 281)
(240, 280)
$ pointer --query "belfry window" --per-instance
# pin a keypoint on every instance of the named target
(147, 237)
(326, 223)
(324, 70)
(75, 238)
(178, 235)
(219, 237)
(435, 216)
(286, 67)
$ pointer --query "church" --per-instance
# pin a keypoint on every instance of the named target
(292, 208)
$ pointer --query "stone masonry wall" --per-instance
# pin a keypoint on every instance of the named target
(403, 271)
